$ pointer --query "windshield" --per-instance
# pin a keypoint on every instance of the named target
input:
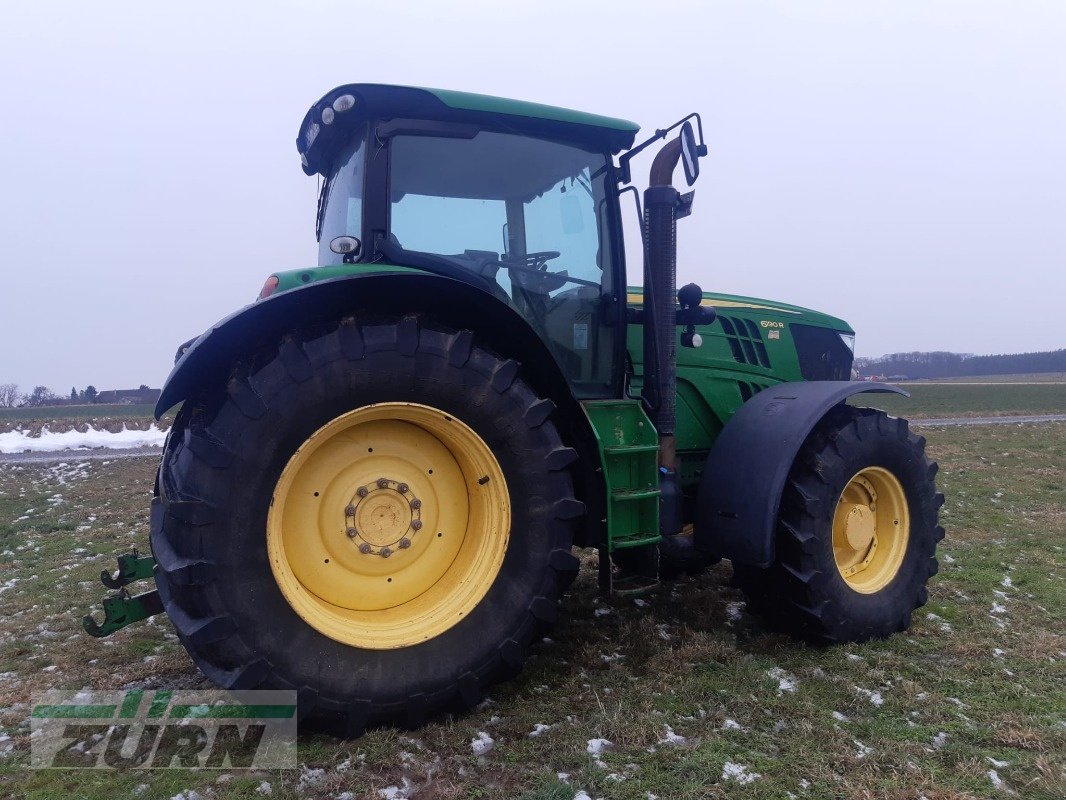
(341, 204)
(528, 218)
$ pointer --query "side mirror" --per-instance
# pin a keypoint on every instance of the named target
(690, 157)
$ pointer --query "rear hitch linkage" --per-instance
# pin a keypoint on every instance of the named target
(122, 609)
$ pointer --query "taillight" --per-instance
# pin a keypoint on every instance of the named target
(269, 287)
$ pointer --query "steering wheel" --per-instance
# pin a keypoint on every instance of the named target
(534, 261)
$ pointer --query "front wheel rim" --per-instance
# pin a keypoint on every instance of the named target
(388, 525)
(871, 529)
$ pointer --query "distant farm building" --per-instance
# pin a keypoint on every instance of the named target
(128, 397)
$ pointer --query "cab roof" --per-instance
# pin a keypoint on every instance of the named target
(318, 139)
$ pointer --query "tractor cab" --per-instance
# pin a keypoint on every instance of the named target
(518, 200)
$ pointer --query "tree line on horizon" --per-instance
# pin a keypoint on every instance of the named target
(957, 365)
(11, 397)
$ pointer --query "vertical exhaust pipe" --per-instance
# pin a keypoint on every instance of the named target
(659, 392)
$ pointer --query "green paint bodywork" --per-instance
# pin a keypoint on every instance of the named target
(712, 382)
(465, 101)
(295, 278)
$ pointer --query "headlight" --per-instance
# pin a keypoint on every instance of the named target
(849, 340)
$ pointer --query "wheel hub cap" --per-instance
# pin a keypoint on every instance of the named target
(871, 528)
(381, 519)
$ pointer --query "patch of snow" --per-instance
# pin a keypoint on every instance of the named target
(873, 697)
(863, 750)
(1007, 582)
(738, 773)
(482, 744)
(602, 612)
(734, 612)
(840, 717)
(539, 728)
(940, 740)
(998, 609)
(396, 792)
(785, 681)
(640, 603)
(309, 777)
(48, 442)
(732, 725)
(582, 795)
(997, 782)
(264, 788)
(995, 762)
(598, 746)
(672, 738)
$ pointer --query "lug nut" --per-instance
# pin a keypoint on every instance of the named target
(416, 503)
(364, 548)
(405, 543)
(349, 511)
(383, 483)
(352, 532)
(385, 552)
(416, 524)
(402, 488)
(362, 491)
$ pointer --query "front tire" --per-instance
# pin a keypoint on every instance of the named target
(857, 532)
(378, 516)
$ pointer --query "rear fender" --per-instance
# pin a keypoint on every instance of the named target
(740, 489)
(206, 361)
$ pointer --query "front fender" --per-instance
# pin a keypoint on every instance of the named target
(740, 489)
(207, 360)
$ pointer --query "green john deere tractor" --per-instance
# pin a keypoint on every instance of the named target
(379, 469)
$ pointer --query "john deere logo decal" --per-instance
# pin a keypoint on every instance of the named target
(164, 729)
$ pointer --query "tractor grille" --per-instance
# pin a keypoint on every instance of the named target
(745, 340)
(822, 354)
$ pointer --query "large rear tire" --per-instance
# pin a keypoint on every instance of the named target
(856, 535)
(377, 515)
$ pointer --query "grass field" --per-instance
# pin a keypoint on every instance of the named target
(1025, 377)
(970, 400)
(689, 688)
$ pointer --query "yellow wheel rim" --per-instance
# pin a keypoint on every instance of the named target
(388, 525)
(871, 527)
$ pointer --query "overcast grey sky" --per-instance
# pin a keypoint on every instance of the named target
(899, 164)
